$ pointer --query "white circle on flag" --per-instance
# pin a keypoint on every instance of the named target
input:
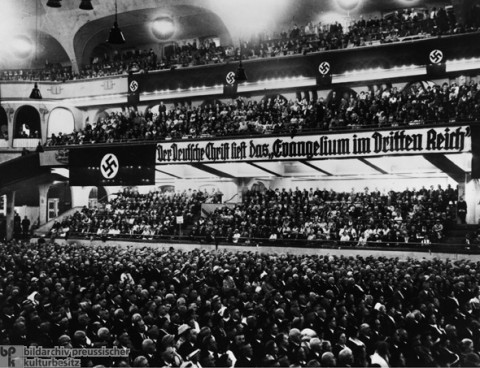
(324, 67)
(230, 79)
(109, 166)
(133, 86)
(436, 56)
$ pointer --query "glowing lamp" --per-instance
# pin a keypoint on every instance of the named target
(163, 28)
(348, 5)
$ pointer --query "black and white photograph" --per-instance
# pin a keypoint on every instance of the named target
(239, 183)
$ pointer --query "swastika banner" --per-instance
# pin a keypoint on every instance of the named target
(133, 90)
(125, 165)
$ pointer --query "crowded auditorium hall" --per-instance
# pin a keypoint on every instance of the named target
(240, 183)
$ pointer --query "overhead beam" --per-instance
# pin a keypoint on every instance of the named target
(265, 169)
(166, 173)
(306, 163)
(444, 164)
(213, 171)
(375, 167)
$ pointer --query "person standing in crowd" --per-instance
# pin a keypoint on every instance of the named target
(462, 210)
(26, 227)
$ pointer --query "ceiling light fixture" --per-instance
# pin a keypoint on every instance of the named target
(86, 5)
(54, 3)
(116, 36)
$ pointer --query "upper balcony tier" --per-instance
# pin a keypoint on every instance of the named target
(432, 57)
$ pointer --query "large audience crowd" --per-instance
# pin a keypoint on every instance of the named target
(168, 308)
(379, 106)
(412, 216)
(399, 25)
(132, 213)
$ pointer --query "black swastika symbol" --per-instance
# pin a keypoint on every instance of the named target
(230, 78)
(324, 67)
(436, 56)
(133, 86)
(109, 166)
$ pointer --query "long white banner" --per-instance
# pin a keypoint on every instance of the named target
(454, 139)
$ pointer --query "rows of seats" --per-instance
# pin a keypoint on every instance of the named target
(130, 213)
(241, 309)
(401, 25)
(410, 216)
(419, 103)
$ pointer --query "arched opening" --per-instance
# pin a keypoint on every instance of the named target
(212, 192)
(166, 188)
(336, 95)
(27, 123)
(60, 121)
(96, 195)
(102, 114)
(59, 200)
(3, 124)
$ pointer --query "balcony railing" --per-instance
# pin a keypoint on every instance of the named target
(26, 142)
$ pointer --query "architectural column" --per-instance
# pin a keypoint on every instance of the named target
(10, 115)
(242, 186)
(80, 196)
(43, 123)
(471, 191)
(10, 215)
(43, 192)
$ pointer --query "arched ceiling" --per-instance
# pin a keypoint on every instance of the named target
(190, 22)
(79, 31)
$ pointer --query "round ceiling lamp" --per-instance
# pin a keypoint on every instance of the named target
(22, 47)
(163, 28)
(348, 5)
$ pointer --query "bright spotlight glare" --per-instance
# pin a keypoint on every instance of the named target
(348, 5)
(163, 28)
(22, 46)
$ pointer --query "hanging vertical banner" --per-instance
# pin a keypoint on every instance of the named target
(230, 85)
(436, 59)
(133, 90)
(324, 75)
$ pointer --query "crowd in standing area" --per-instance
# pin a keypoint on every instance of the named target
(401, 24)
(170, 308)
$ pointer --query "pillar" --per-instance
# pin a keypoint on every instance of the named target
(471, 191)
(10, 115)
(242, 186)
(80, 196)
(10, 215)
(44, 112)
(43, 192)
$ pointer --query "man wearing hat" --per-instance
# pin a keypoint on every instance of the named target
(185, 341)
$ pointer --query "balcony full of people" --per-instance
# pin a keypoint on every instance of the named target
(410, 217)
(384, 106)
(403, 24)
